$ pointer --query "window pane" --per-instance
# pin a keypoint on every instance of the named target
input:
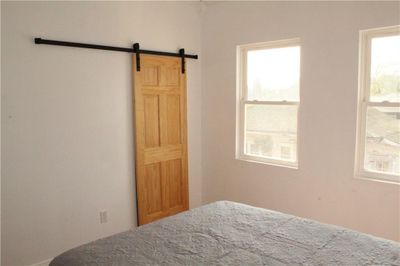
(382, 150)
(271, 131)
(385, 69)
(273, 74)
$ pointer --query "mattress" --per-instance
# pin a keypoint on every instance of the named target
(228, 233)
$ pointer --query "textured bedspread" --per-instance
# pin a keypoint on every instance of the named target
(228, 233)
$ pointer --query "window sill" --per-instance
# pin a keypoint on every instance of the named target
(377, 177)
(276, 163)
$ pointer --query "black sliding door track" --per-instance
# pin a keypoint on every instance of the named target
(134, 49)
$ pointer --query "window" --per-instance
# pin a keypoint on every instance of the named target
(268, 102)
(378, 140)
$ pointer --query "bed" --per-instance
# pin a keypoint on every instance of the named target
(229, 233)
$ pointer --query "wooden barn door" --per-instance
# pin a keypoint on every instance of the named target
(161, 137)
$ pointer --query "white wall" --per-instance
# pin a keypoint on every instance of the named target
(0, 138)
(324, 187)
(67, 134)
(67, 146)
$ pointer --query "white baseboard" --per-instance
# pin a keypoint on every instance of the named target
(43, 263)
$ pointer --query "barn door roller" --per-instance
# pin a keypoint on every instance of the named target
(136, 50)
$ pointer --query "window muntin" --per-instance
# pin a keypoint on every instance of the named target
(379, 115)
(268, 81)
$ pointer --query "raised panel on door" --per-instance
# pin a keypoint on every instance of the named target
(173, 75)
(150, 75)
(175, 183)
(161, 138)
(173, 124)
(151, 121)
(153, 186)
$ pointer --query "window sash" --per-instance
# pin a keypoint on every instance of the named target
(260, 159)
(242, 58)
(363, 145)
(364, 102)
(365, 58)
(240, 151)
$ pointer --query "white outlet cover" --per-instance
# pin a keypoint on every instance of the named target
(103, 217)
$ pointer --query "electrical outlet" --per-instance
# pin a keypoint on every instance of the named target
(103, 217)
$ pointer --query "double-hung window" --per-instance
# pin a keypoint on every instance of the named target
(268, 102)
(378, 140)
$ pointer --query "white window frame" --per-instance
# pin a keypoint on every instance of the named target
(363, 101)
(241, 84)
